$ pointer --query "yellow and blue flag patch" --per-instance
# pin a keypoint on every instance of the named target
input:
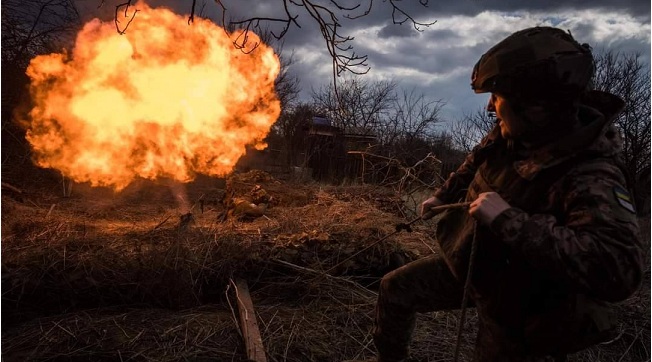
(624, 199)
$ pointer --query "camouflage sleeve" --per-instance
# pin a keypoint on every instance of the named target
(594, 246)
(458, 182)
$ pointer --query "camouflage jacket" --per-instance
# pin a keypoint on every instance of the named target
(546, 269)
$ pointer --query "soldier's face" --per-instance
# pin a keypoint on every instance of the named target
(517, 121)
(512, 126)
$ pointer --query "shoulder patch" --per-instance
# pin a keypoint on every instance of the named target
(623, 198)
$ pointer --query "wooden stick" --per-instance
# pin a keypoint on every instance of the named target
(50, 211)
(449, 206)
(248, 324)
(430, 213)
(6, 186)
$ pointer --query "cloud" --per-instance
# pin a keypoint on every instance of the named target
(439, 59)
(442, 9)
(397, 31)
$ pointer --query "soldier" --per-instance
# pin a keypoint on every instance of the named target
(554, 224)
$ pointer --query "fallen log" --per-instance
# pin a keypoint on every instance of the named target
(248, 323)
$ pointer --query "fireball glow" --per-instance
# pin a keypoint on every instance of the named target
(165, 99)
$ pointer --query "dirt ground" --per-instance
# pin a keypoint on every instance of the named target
(148, 274)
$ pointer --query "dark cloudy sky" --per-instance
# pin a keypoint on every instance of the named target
(438, 60)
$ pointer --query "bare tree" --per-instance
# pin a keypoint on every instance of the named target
(286, 84)
(625, 75)
(629, 78)
(413, 115)
(291, 128)
(409, 128)
(358, 104)
(443, 146)
(327, 15)
(35, 27)
(467, 132)
(29, 28)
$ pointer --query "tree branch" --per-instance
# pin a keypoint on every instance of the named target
(327, 17)
(126, 6)
(398, 12)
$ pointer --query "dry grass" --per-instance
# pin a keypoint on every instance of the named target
(114, 334)
(99, 261)
(103, 276)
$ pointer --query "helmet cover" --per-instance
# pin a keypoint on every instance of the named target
(535, 62)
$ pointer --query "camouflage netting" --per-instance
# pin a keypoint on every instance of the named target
(104, 276)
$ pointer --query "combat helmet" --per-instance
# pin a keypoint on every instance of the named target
(535, 62)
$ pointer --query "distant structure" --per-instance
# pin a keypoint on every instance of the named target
(327, 149)
(325, 152)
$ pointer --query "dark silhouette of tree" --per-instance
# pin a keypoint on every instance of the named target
(35, 27)
(402, 122)
(467, 132)
(29, 28)
(410, 126)
(328, 15)
(358, 105)
(291, 129)
(625, 75)
(286, 84)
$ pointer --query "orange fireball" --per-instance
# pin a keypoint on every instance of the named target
(165, 99)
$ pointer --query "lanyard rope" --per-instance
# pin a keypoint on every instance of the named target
(465, 296)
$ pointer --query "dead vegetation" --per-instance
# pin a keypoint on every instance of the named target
(103, 276)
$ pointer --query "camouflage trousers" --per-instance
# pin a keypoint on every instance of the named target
(427, 285)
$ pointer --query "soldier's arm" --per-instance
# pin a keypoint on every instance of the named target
(595, 246)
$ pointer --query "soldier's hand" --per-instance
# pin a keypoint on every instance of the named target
(487, 207)
(427, 205)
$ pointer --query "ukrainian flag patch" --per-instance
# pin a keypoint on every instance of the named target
(624, 200)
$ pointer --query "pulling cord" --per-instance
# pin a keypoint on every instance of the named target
(465, 296)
